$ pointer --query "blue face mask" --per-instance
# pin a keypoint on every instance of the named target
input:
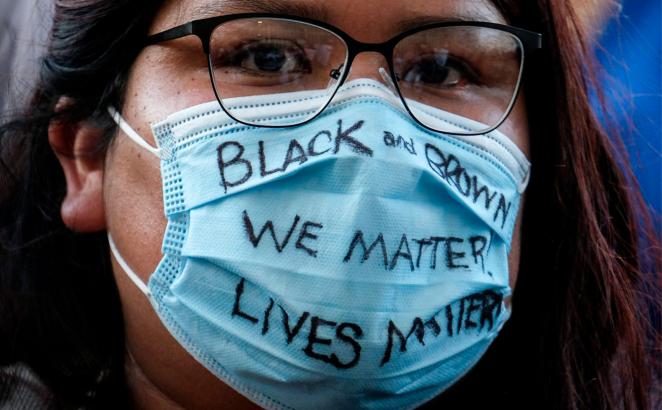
(356, 261)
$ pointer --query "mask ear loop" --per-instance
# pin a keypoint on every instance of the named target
(525, 182)
(129, 272)
(131, 133)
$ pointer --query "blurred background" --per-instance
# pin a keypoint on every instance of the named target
(24, 26)
(630, 48)
(628, 38)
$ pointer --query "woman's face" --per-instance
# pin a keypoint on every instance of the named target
(173, 76)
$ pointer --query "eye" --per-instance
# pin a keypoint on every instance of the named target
(266, 57)
(440, 71)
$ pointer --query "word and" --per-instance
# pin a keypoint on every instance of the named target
(391, 140)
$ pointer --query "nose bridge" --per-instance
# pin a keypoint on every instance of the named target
(367, 64)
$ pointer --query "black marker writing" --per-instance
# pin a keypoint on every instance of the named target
(290, 331)
(451, 170)
(268, 226)
(404, 253)
(474, 313)
(414, 252)
(417, 328)
(451, 255)
(236, 309)
(391, 140)
(478, 245)
(303, 242)
(332, 358)
(223, 164)
(345, 137)
(234, 160)
(306, 234)
(310, 327)
(358, 240)
(267, 315)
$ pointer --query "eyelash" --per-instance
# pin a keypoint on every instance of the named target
(235, 57)
(451, 62)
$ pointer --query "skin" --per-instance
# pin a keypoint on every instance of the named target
(121, 192)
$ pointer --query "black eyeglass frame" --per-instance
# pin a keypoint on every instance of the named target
(203, 29)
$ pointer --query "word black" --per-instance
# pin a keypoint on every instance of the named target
(230, 154)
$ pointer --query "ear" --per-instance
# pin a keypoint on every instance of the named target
(76, 146)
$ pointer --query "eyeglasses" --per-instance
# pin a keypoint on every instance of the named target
(470, 69)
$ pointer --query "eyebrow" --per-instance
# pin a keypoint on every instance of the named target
(217, 8)
(320, 13)
(418, 21)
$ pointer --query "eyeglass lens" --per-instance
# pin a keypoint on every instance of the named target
(256, 56)
(469, 71)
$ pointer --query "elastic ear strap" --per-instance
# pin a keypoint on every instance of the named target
(521, 187)
(130, 273)
(131, 133)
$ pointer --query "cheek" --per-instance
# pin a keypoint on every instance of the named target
(164, 80)
(132, 197)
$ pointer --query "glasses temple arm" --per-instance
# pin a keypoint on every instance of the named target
(532, 41)
(170, 34)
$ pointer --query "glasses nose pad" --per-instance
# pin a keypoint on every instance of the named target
(336, 72)
(335, 75)
(372, 66)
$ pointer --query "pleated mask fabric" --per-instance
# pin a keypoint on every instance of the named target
(356, 261)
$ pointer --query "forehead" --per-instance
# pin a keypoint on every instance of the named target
(366, 20)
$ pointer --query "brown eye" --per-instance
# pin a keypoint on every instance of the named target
(439, 70)
(260, 57)
(268, 58)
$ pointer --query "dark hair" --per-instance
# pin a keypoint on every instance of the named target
(580, 333)
(60, 312)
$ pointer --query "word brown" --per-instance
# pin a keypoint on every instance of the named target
(451, 170)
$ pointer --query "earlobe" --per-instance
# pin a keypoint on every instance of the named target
(76, 146)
